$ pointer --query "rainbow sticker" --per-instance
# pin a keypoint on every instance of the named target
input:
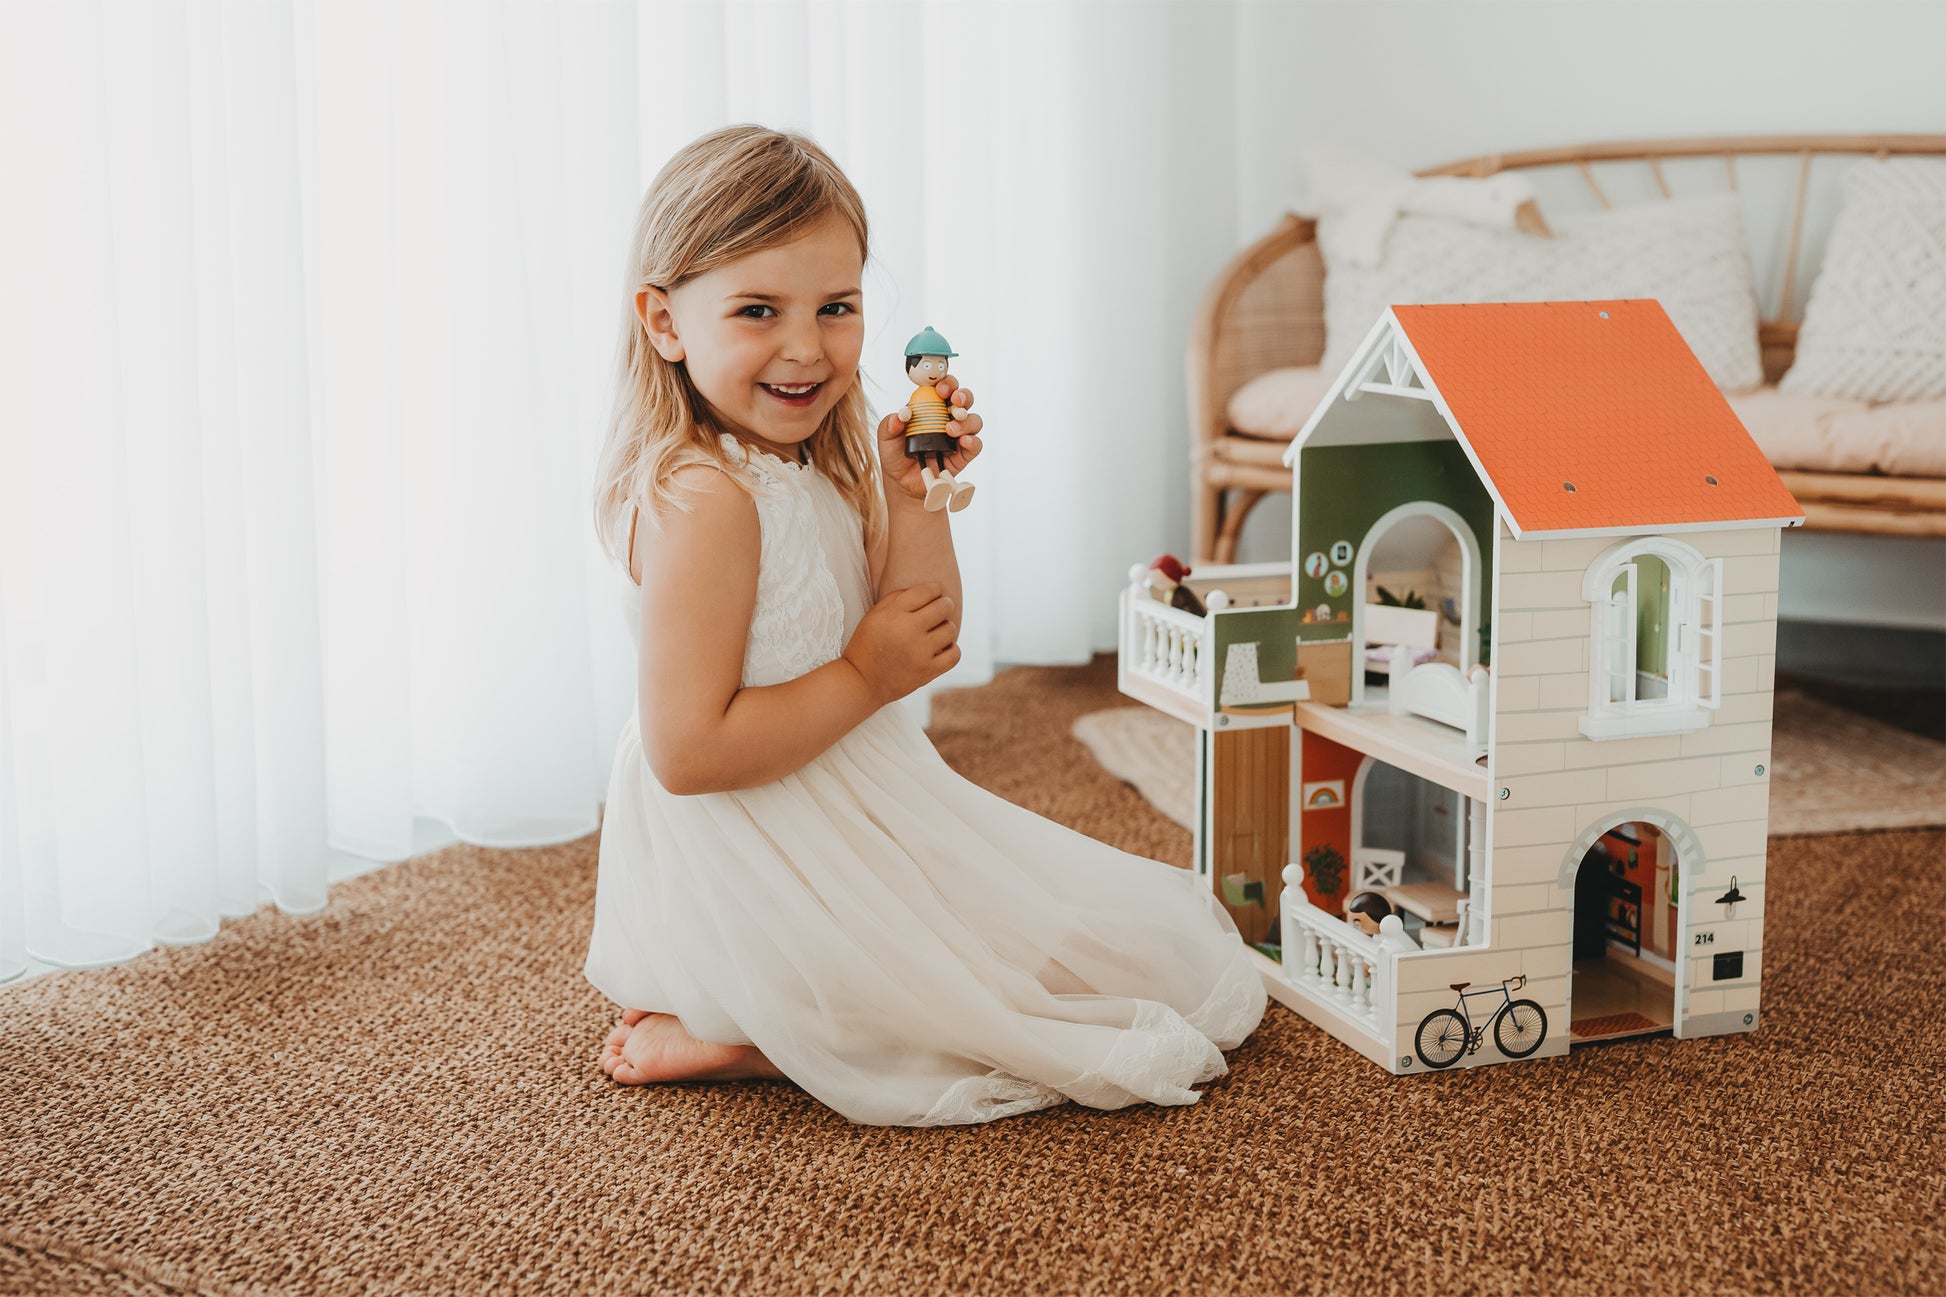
(1324, 794)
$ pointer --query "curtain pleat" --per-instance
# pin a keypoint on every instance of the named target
(308, 346)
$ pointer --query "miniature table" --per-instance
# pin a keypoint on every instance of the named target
(1433, 902)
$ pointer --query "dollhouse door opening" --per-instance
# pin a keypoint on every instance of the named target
(1625, 935)
(1409, 843)
(1418, 572)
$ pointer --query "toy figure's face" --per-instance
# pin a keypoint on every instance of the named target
(771, 340)
(927, 369)
(1365, 923)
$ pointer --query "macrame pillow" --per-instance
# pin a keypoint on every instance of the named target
(1687, 253)
(1875, 327)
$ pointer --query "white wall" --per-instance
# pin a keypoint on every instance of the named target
(1425, 83)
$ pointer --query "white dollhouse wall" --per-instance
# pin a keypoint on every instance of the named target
(1556, 790)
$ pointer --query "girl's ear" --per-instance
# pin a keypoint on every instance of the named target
(652, 308)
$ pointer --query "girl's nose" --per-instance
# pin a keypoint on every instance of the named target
(802, 345)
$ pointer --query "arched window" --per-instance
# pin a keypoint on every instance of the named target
(1655, 651)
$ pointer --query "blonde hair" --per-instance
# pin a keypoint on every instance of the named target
(732, 192)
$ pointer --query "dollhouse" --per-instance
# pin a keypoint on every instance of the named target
(1516, 680)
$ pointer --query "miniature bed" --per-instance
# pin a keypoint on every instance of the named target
(1262, 321)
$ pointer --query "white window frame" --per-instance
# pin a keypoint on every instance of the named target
(1695, 642)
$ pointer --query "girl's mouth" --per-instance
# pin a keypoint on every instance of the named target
(795, 395)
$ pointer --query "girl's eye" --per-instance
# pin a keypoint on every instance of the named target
(846, 307)
(745, 312)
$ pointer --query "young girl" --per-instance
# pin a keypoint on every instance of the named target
(792, 883)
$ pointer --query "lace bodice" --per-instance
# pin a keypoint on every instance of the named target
(812, 583)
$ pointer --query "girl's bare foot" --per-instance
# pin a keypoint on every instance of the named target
(647, 1047)
(619, 1037)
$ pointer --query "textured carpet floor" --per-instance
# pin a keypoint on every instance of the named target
(399, 1095)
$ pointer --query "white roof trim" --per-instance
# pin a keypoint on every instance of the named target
(1653, 528)
(1340, 383)
(1387, 330)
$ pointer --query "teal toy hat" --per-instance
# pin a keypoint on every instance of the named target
(928, 343)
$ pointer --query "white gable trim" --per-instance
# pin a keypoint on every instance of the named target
(1385, 334)
(1340, 383)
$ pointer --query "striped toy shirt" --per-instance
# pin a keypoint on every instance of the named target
(928, 412)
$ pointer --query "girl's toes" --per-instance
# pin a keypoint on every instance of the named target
(616, 1039)
(632, 1016)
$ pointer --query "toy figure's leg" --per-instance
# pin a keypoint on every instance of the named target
(939, 488)
(962, 495)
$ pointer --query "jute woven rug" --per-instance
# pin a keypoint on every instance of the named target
(1831, 769)
(399, 1095)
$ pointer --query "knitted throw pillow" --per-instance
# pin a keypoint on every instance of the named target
(1688, 253)
(1875, 327)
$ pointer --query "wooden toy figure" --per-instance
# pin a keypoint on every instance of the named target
(1166, 576)
(929, 421)
(1366, 911)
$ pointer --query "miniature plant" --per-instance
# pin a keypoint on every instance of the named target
(1325, 867)
(1413, 599)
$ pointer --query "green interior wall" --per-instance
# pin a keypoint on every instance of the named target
(1651, 613)
(1344, 490)
(1274, 630)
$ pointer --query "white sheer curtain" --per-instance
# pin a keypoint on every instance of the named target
(307, 334)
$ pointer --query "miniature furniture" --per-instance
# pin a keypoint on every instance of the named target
(1265, 312)
(1594, 833)
(1434, 902)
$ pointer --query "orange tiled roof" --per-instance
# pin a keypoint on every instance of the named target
(1603, 395)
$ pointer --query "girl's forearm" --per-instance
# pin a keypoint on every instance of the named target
(770, 731)
(918, 547)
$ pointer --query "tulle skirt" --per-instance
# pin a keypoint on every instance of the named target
(909, 948)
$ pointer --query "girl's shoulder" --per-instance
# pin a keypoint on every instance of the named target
(734, 470)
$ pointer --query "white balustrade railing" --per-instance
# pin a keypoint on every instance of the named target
(1167, 645)
(1335, 962)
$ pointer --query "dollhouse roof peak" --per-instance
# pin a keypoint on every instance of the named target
(1582, 418)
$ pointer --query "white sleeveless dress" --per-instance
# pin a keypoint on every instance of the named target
(907, 947)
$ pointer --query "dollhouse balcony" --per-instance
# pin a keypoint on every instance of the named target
(1167, 655)
(1340, 967)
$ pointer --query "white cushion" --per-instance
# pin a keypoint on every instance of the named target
(1826, 434)
(1688, 253)
(1275, 404)
(1875, 327)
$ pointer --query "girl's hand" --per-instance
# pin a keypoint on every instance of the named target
(906, 639)
(902, 471)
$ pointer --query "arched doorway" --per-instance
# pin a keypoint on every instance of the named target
(1421, 549)
(1623, 876)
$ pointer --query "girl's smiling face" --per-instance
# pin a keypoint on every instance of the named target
(771, 340)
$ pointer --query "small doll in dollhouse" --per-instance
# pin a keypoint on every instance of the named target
(1167, 575)
(1366, 910)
